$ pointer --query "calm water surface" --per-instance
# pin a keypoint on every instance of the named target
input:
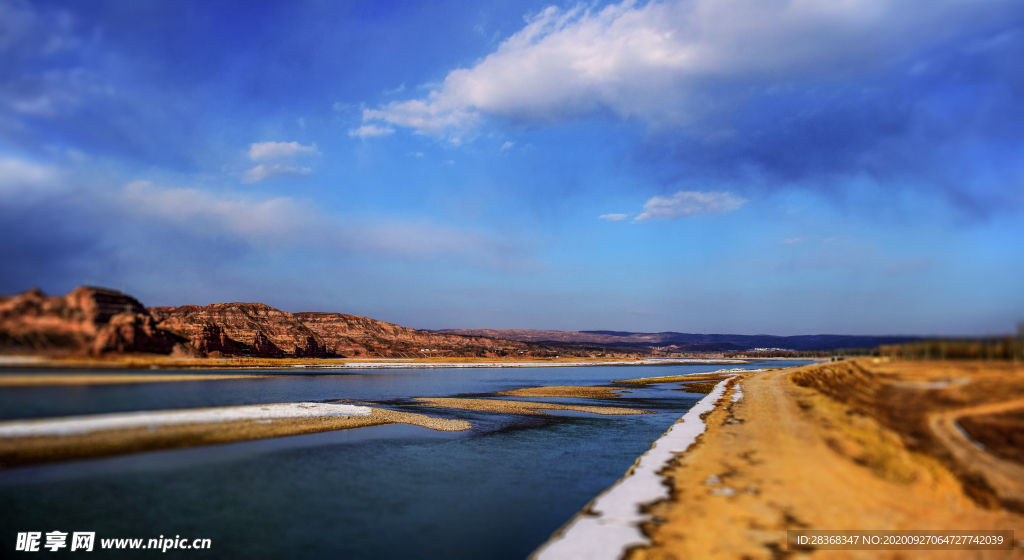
(496, 491)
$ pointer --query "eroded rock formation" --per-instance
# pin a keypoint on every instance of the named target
(87, 320)
(351, 335)
(241, 329)
(99, 321)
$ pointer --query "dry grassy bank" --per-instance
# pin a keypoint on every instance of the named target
(850, 445)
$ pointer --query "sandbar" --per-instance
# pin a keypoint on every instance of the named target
(584, 392)
(716, 376)
(71, 425)
(523, 407)
(34, 449)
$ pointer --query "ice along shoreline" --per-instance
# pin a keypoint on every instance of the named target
(610, 525)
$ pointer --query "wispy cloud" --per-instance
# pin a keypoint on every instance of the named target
(286, 222)
(655, 60)
(793, 240)
(264, 151)
(431, 117)
(276, 220)
(613, 217)
(370, 131)
(507, 146)
(264, 171)
(690, 203)
(18, 175)
(283, 154)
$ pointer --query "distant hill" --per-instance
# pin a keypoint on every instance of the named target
(686, 342)
(97, 321)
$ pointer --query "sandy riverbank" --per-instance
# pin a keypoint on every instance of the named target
(861, 445)
(45, 379)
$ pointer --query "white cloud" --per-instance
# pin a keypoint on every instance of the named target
(613, 217)
(507, 146)
(264, 151)
(430, 117)
(17, 175)
(276, 220)
(689, 203)
(792, 240)
(656, 61)
(285, 222)
(369, 131)
(264, 171)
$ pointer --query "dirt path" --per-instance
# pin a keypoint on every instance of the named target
(787, 457)
(1005, 477)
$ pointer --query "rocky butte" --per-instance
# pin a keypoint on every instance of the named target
(98, 321)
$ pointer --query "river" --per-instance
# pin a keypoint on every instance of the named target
(497, 491)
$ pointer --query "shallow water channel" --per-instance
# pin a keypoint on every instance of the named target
(496, 491)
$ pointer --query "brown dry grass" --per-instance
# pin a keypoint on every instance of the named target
(790, 456)
(563, 391)
(522, 407)
(1002, 434)
(925, 401)
(701, 387)
(46, 449)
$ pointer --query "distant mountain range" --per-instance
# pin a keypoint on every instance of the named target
(98, 321)
(687, 342)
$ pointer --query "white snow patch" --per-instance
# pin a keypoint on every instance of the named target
(93, 423)
(612, 524)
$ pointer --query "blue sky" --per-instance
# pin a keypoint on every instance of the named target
(741, 166)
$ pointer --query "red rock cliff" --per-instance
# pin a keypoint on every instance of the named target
(87, 320)
(247, 329)
(97, 321)
(351, 335)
